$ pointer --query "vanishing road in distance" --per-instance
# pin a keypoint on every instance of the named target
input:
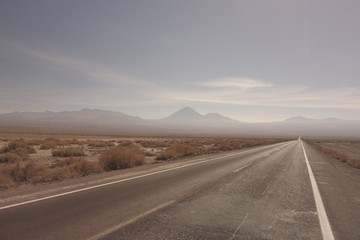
(280, 191)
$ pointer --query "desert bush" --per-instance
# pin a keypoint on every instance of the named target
(121, 157)
(6, 181)
(15, 151)
(11, 157)
(153, 143)
(79, 166)
(353, 162)
(18, 145)
(68, 152)
(228, 145)
(127, 144)
(34, 142)
(30, 172)
(21, 172)
(99, 143)
(46, 146)
(176, 150)
(52, 143)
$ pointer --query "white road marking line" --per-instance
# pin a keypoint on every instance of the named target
(322, 182)
(242, 167)
(323, 219)
(119, 181)
(134, 219)
(238, 228)
(127, 179)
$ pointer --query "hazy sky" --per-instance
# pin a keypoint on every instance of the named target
(251, 60)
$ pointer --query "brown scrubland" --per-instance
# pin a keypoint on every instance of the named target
(347, 151)
(47, 159)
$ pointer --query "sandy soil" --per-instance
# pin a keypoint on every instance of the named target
(350, 149)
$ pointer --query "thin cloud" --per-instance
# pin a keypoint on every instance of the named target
(241, 83)
(276, 96)
(93, 70)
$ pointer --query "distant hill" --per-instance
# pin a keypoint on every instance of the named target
(186, 121)
(83, 121)
(189, 117)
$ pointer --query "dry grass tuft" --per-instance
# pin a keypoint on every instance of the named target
(120, 157)
(52, 143)
(153, 143)
(69, 152)
(19, 145)
(99, 143)
(15, 151)
(11, 157)
(178, 149)
(30, 172)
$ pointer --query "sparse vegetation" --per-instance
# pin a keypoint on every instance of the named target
(99, 143)
(52, 143)
(11, 157)
(19, 145)
(176, 150)
(121, 157)
(30, 172)
(68, 152)
(15, 151)
(333, 153)
(153, 143)
(58, 159)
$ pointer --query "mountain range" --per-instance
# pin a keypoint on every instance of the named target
(183, 122)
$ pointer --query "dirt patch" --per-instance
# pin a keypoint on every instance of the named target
(347, 151)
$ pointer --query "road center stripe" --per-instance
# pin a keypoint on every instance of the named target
(122, 180)
(247, 165)
(134, 219)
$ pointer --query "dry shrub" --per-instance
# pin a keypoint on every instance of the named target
(79, 166)
(21, 172)
(10, 157)
(6, 181)
(34, 142)
(30, 172)
(120, 157)
(51, 143)
(127, 144)
(18, 145)
(99, 143)
(355, 163)
(228, 145)
(176, 150)
(68, 152)
(153, 143)
(15, 151)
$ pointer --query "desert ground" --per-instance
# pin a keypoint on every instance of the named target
(345, 150)
(44, 158)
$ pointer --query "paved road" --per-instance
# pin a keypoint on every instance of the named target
(261, 193)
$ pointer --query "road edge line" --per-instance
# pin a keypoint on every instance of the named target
(323, 219)
(128, 179)
(118, 181)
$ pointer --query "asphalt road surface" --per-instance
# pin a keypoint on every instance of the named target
(260, 193)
